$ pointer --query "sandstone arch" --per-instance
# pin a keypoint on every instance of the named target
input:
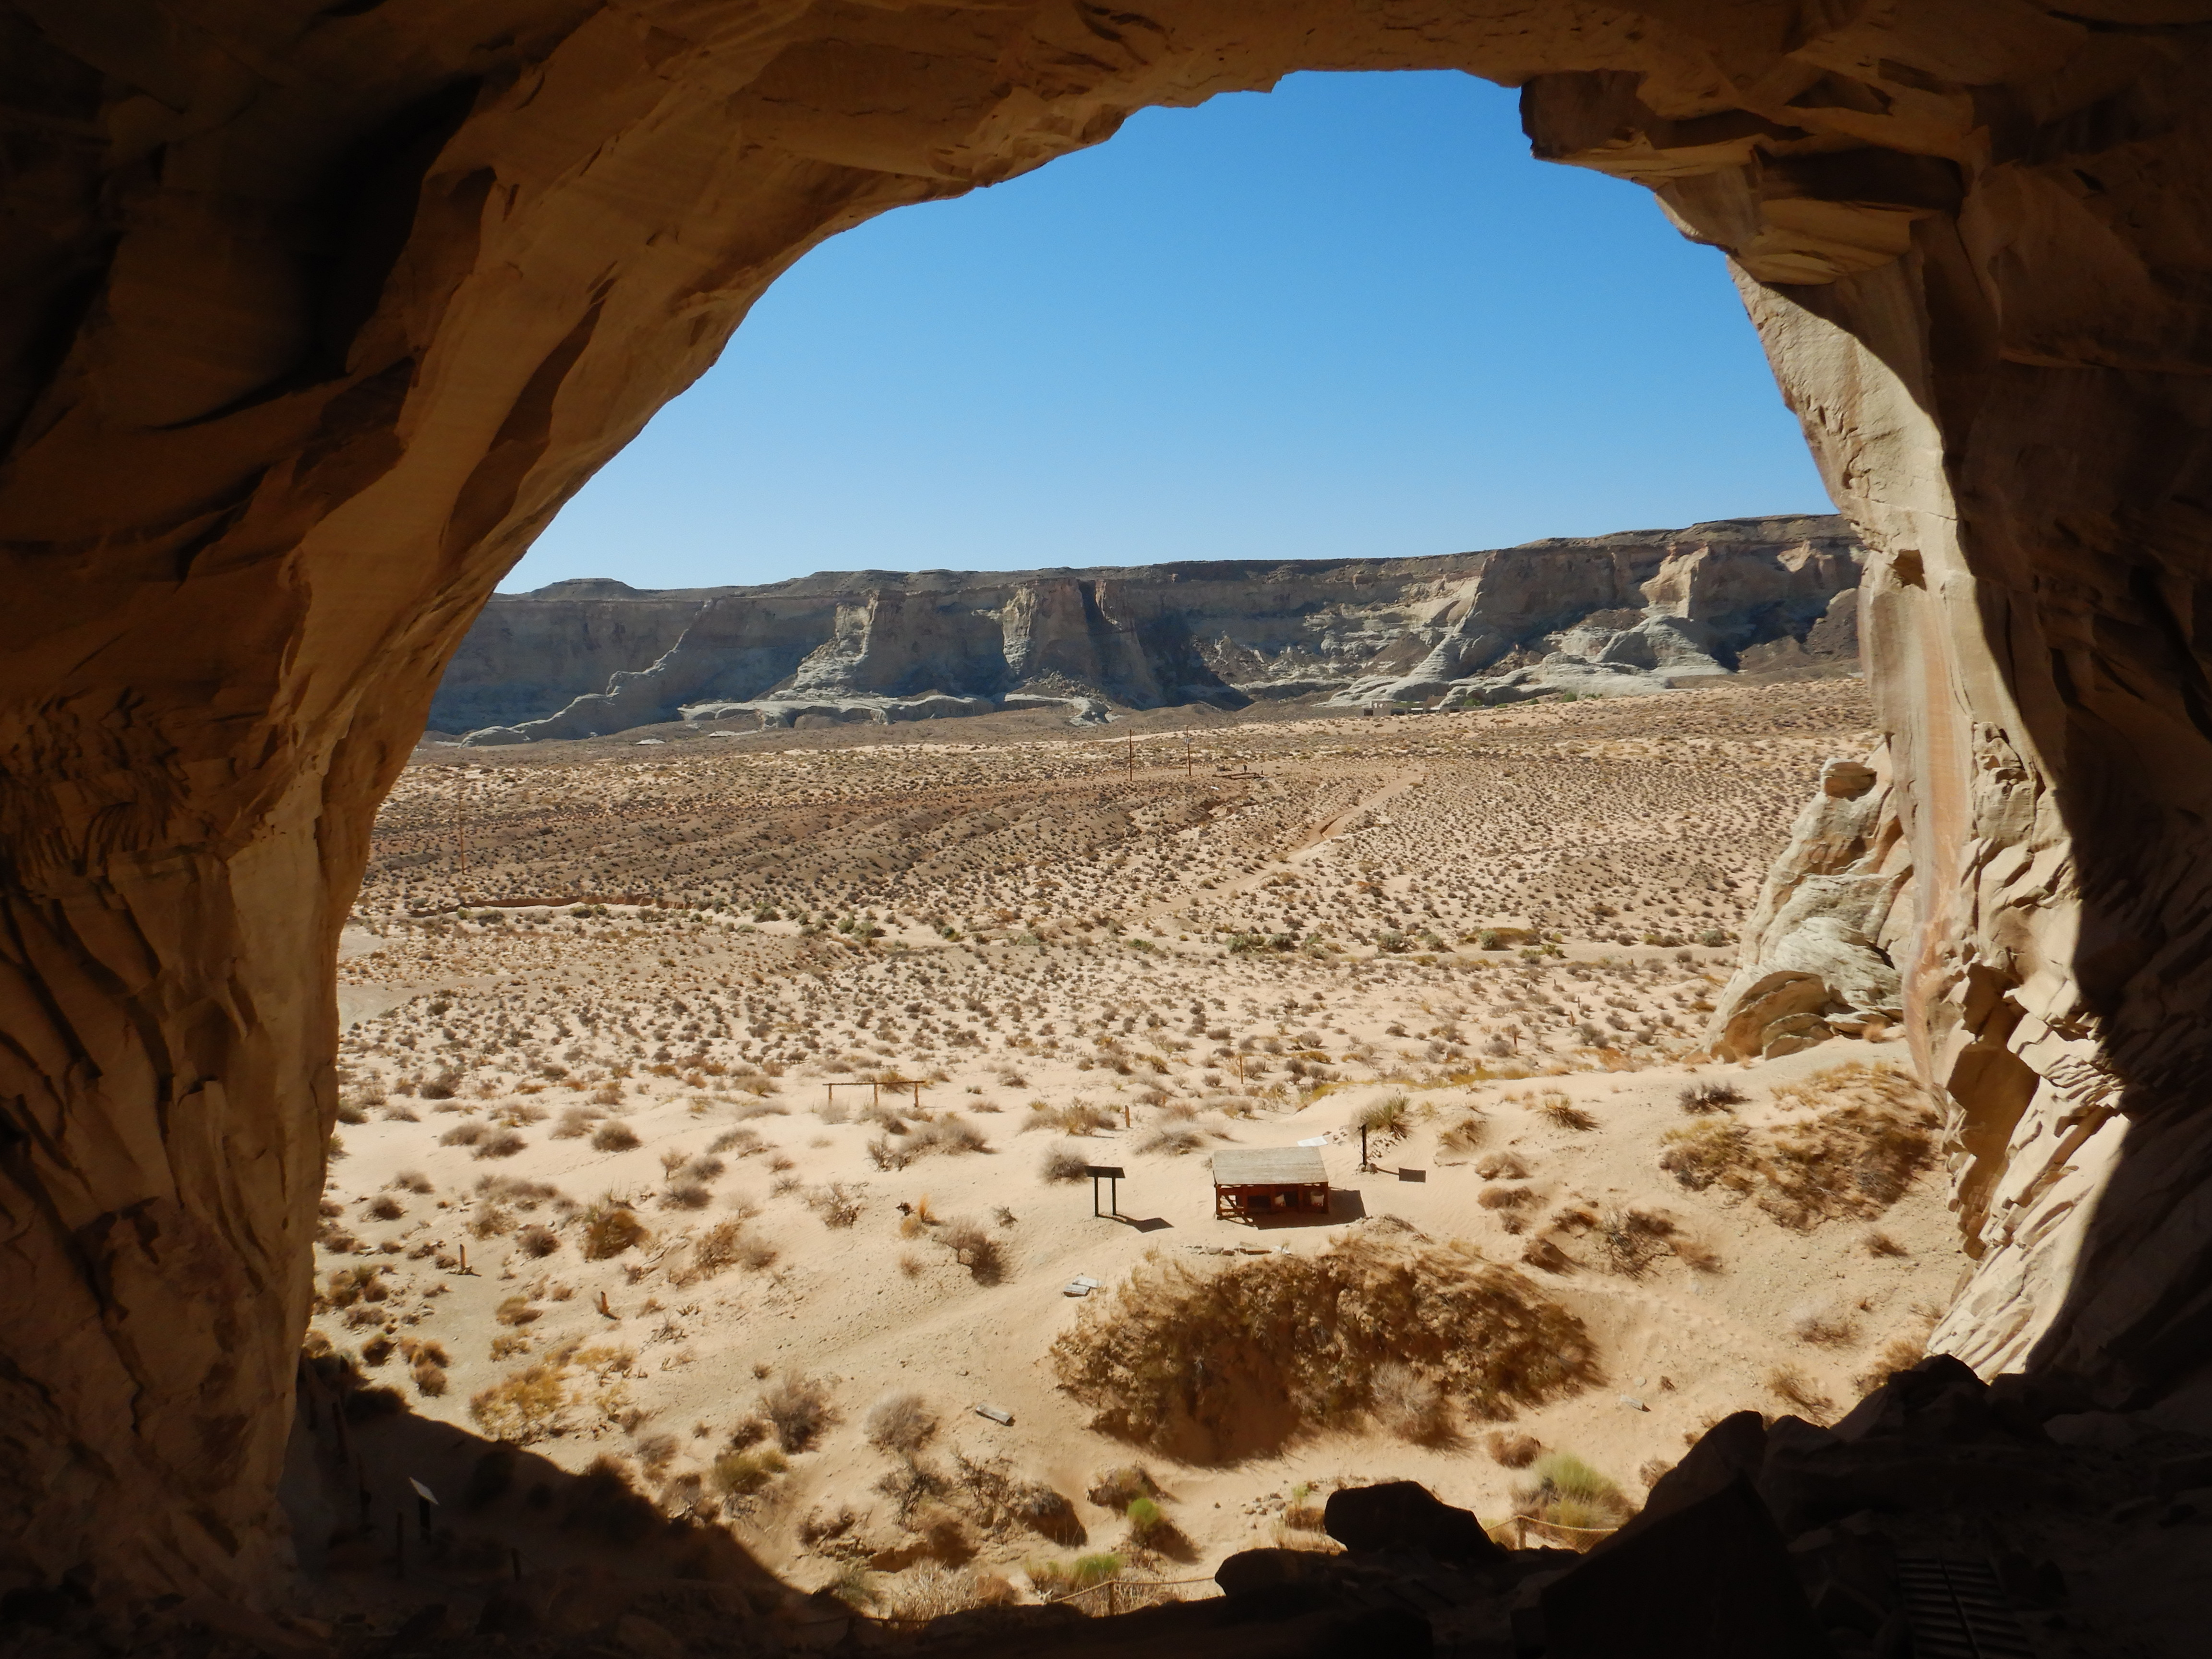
(315, 313)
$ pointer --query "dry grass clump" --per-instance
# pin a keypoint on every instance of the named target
(1053, 1579)
(537, 1240)
(1064, 1162)
(1214, 1363)
(611, 1228)
(1824, 1325)
(1801, 1391)
(999, 1499)
(835, 1206)
(1464, 1136)
(1568, 1492)
(1411, 1405)
(1709, 1095)
(1118, 1487)
(717, 1248)
(740, 1473)
(523, 1407)
(901, 1423)
(1873, 1132)
(1502, 1166)
(799, 1410)
(1553, 1107)
(576, 1122)
(613, 1137)
(948, 1136)
(1716, 1152)
(1629, 1240)
(1512, 1451)
(1899, 1353)
(931, 1590)
(975, 1248)
(1077, 1118)
(1879, 1243)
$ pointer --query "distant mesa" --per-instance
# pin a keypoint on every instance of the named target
(1636, 611)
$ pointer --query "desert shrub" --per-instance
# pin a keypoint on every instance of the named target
(469, 1133)
(1505, 1198)
(413, 1181)
(1709, 1095)
(1716, 1151)
(609, 1229)
(429, 1380)
(537, 1240)
(1568, 1492)
(930, 1589)
(1052, 1579)
(1824, 1325)
(756, 1255)
(1385, 1117)
(1871, 1134)
(1078, 1118)
(797, 1409)
(901, 1423)
(975, 1248)
(614, 1138)
(1513, 1451)
(1214, 1362)
(1801, 1391)
(1899, 1353)
(1120, 1486)
(1000, 1497)
(1466, 1134)
(1149, 1526)
(1502, 1166)
(835, 1206)
(1411, 1405)
(717, 1248)
(575, 1122)
(376, 1350)
(1879, 1243)
(1174, 1139)
(1555, 1107)
(516, 1310)
(384, 1207)
(508, 1343)
(687, 1195)
(523, 1407)
(1064, 1163)
(1629, 1240)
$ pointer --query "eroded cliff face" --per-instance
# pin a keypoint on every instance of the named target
(315, 314)
(1609, 614)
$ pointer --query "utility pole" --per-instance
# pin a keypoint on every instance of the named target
(1132, 759)
(460, 824)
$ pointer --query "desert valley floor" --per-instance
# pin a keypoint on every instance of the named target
(614, 1181)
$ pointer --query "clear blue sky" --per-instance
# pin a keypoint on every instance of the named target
(1350, 317)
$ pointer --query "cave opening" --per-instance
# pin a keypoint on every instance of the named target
(318, 324)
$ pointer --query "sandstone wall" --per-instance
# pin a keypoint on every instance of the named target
(314, 315)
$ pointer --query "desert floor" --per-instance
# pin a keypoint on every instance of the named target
(604, 1082)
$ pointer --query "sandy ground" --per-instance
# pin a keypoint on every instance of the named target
(1253, 946)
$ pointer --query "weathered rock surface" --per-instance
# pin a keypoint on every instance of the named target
(1610, 613)
(314, 315)
(1819, 953)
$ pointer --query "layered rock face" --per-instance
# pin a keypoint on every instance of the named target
(316, 315)
(1608, 614)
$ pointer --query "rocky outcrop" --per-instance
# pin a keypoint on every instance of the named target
(316, 315)
(1820, 951)
(1607, 614)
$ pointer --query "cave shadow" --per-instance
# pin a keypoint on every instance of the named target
(513, 1545)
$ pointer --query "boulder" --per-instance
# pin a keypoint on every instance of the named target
(1406, 1515)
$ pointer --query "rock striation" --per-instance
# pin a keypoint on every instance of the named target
(1599, 616)
(315, 315)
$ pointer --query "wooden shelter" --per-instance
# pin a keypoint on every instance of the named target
(1250, 1182)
